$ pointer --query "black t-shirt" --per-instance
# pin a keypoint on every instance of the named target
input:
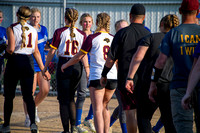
(153, 42)
(124, 45)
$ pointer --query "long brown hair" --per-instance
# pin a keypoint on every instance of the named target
(72, 16)
(23, 13)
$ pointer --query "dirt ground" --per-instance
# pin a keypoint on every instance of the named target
(48, 112)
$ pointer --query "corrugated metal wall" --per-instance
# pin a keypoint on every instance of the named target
(52, 11)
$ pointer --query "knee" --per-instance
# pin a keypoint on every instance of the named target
(44, 91)
(28, 99)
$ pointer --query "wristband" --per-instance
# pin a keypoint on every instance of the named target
(156, 74)
(129, 79)
(105, 71)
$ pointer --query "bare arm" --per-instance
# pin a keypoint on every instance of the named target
(38, 59)
(109, 63)
(193, 80)
(136, 60)
(161, 60)
(37, 56)
(11, 40)
(73, 60)
(50, 56)
(86, 65)
(134, 65)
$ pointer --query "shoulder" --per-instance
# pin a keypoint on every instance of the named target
(60, 30)
(92, 36)
(13, 25)
(81, 32)
(2, 29)
(157, 35)
(43, 28)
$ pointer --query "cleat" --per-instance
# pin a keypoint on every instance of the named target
(27, 122)
(4, 129)
(90, 125)
(34, 128)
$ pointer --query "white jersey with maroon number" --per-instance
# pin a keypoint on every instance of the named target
(31, 35)
(66, 46)
(98, 45)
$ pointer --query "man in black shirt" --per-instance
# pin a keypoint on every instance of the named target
(123, 47)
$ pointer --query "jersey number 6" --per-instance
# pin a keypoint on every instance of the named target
(73, 49)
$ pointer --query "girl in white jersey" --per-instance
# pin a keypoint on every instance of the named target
(22, 42)
(67, 41)
(98, 45)
(43, 84)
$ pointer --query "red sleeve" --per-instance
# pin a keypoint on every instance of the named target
(56, 40)
(87, 45)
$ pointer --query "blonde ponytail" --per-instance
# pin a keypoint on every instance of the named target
(103, 21)
(72, 16)
(23, 14)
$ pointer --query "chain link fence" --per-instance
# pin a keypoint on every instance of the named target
(52, 13)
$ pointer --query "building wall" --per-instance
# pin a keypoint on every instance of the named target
(53, 13)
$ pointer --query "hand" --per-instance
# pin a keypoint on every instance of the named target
(103, 81)
(152, 91)
(46, 75)
(129, 86)
(43, 72)
(62, 68)
(185, 102)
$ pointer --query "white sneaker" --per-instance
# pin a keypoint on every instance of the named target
(110, 130)
(37, 119)
(27, 122)
(80, 129)
(90, 125)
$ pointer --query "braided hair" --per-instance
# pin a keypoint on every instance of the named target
(23, 13)
(72, 16)
(103, 21)
(170, 21)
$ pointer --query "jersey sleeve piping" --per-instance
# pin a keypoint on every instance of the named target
(53, 47)
(85, 52)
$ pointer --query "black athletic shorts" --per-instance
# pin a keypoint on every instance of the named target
(110, 85)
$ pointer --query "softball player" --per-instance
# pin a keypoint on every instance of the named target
(86, 22)
(67, 41)
(22, 42)
(123, 46)
(44, 85)
(98, 45)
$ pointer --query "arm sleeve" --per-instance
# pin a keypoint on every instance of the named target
(165, 45)
(114, 50)
(56, 40)
(87, 45)
(146, 41)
